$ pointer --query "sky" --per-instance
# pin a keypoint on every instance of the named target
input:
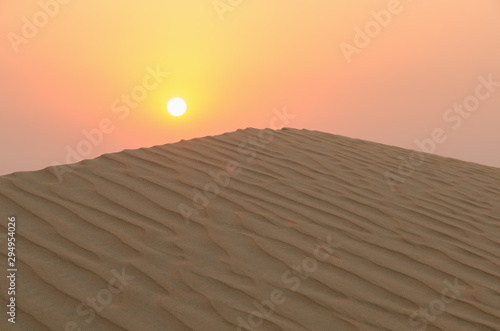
(79, 79)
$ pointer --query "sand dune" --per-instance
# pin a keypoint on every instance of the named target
(256, 230)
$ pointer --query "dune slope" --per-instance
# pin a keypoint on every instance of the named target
(256, 230)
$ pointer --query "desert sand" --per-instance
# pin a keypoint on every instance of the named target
(255, 230)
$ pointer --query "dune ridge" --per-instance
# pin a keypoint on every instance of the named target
(255, 230)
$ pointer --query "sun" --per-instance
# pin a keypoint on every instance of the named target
(176, 107)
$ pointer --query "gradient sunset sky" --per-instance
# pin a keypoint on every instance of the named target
(71, 66)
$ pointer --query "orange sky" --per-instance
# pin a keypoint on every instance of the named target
(68, 66)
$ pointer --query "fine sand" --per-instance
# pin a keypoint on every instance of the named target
(289, 230)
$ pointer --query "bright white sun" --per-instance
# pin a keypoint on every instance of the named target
(176, 107)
